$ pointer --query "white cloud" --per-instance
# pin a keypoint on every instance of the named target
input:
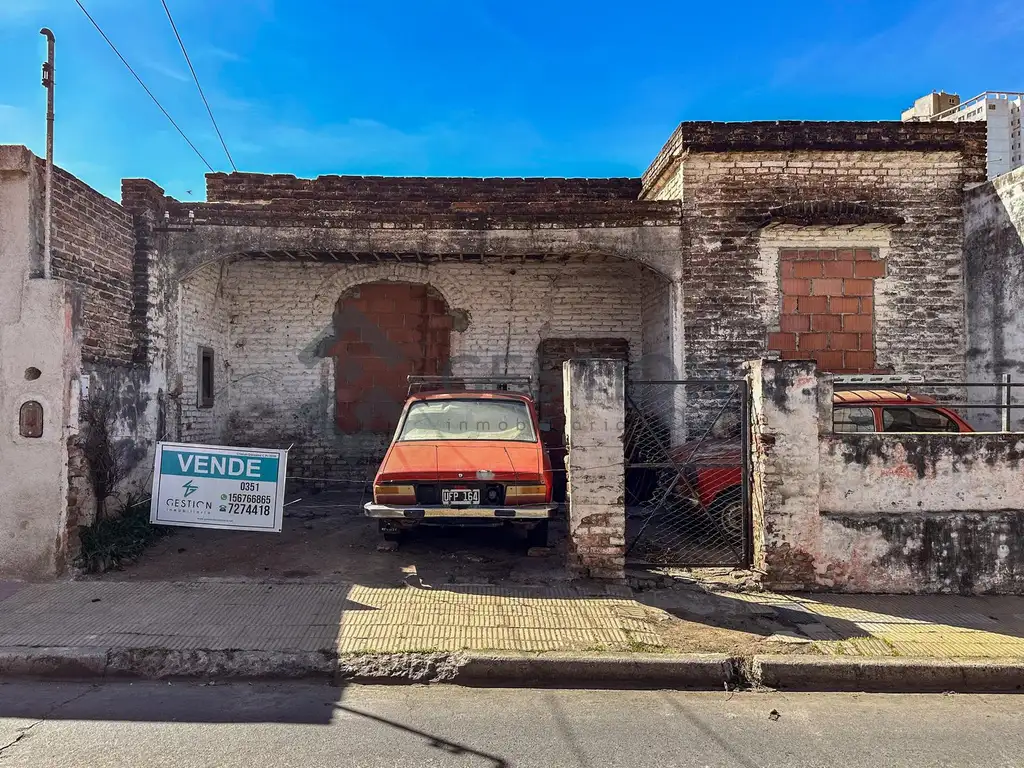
(222, 54)
(168, 71)
(911, 45)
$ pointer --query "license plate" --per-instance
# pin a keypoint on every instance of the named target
(452, 496)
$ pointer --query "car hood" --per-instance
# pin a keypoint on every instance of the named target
(461, 460)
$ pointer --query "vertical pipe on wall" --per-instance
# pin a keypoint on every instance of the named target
(1004, 401)
(48, 194)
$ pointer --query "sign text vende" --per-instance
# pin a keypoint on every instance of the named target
(210, 486)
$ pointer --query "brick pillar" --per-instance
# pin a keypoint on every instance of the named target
(790, 405)
(594, 424)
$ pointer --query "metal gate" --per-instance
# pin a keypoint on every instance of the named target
(687, 473)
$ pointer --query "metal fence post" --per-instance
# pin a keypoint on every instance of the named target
(1004, 401)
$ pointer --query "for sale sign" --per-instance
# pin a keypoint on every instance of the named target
(207, 486)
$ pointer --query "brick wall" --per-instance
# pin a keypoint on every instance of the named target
(256, 187)
(282, 387)
(967, 139)
(205, 315)
(908, 202)
(828, 308)
(93, 246)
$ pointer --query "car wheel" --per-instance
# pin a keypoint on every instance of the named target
(538, 535)
(727, 511)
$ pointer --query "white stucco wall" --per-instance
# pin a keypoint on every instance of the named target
(35, 331)
(895, 473)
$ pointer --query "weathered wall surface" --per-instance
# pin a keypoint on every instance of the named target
(740, 181)
(271, 325)
(926, 512)
(914, 472)
(36, 332)
(595, 392)
(994, 252)
(258, 187)
(204, 316)
(93, 246)
(94, 250)
(879, 512)
(786, 411)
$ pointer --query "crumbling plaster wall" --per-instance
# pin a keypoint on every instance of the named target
(879, 512)
(270, 324)
(994, 252)
(412, 227)
(37, 331)
(594, 423)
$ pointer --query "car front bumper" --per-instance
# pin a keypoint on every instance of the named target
(421, 512)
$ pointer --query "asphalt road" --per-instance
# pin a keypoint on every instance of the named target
(313, 726)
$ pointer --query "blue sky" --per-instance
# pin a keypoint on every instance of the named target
(472, 87)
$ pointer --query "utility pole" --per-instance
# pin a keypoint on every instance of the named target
(48, 195)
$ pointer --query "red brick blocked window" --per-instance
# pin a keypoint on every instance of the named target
(384, 332)
(828, 308)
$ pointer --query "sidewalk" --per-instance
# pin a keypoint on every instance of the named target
(334, 623)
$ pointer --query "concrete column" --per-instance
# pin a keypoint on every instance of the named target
(594, 425)
(790, 404)
(39, 359)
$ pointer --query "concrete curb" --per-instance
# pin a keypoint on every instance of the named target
(53, 663)
(886, 674)
(699, 671)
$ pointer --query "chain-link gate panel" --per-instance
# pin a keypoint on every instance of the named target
(687, 474)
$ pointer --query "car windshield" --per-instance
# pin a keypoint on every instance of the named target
(476, 419)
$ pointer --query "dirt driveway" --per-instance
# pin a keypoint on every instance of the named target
(326, 537)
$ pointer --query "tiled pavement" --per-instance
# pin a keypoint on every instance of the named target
(942, 626)
(310, 617)
(290, 616)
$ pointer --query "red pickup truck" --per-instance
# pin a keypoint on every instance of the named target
(711, 469)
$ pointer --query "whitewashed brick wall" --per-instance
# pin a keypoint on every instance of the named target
(204, 313)
(268, 326)
(655, 329)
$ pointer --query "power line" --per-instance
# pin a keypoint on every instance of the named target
(149, 92)
(196, 78)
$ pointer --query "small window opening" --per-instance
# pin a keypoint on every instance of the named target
(30, 419)
(205, 377)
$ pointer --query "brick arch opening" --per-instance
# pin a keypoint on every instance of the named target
(384, 332)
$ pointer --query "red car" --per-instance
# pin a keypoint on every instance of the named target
(465, 458)
(710, 470)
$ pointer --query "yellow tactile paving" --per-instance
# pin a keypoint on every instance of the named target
(943, 626)
(491, 618)
(359, 618)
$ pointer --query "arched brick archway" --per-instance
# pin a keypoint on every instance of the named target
(384, 332)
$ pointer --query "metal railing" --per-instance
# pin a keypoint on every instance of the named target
(423, 383)
(941, 391)
(987, 96)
